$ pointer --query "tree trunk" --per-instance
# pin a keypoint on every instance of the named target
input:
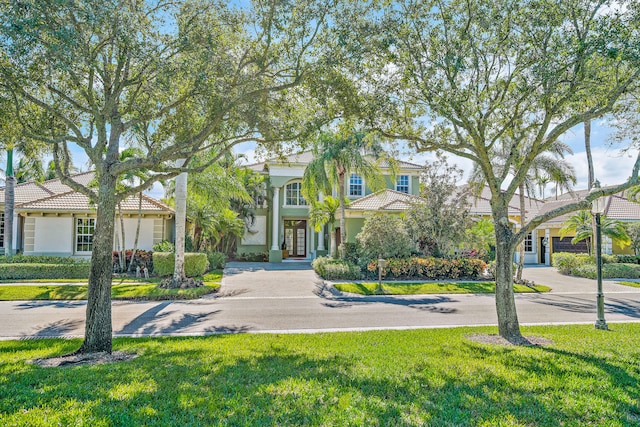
(181, 219)
(343, 229)
(135, 241)
(9, 205)
(332, 243)
(591, 175)
(98, 326)
(508, 325)
(522, 223)
(122, 254)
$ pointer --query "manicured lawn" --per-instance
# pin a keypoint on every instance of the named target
(118, 291)
(383, 378)
(634, 284)
(391, 288)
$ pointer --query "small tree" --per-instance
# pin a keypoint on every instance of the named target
(633, 230)
(580, 226)
(384, 235)
(438, 224)
(481, 237)
(322, 213)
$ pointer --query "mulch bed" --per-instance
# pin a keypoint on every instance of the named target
(84, 359)
(498, 340)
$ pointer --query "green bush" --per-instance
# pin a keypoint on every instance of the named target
(44, 271)
(253, 257)
(384, 235)
(429, 268)
(628, 259)
(332, 269)
(164, 246)
(41, 259)
(216, 260)
(195, 263)
(609, 271)
(566, 262)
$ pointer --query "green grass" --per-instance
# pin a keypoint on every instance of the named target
(118, 291)
(634, 284)
(115, 280)
(384, 378)
(395, 288)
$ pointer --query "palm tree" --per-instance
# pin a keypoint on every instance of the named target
(580, 225)
(322, 213)
(336, 155)
(550, 164)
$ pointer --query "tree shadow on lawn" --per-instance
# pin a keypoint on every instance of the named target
(280, 386)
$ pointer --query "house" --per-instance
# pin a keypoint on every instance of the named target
(52, 219)
(283, 228)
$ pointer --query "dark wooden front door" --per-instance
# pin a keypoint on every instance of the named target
(295, 237)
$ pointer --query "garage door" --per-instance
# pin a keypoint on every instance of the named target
(565, 245)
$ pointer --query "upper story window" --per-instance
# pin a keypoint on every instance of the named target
(402, 183)
(356, 185)
(85, 227)
(528, 243)
(1, 229)
(293, 195)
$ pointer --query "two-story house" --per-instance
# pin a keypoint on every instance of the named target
(281, 224)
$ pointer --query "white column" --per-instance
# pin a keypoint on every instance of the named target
(276, 219)
(321, 232)
(547, 249)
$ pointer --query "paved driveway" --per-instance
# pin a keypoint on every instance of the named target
(291, 298)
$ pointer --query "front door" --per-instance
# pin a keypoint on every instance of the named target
(295, 237)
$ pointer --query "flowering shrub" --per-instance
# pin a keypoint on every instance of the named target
(142, 259)
(429, 268)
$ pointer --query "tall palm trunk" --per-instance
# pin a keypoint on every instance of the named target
(343, 230)
(122, 254)
(135, 241)
(9, 205)
(522, 223)
(181, 219)
(591, 176)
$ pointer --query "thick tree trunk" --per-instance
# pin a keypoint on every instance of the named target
(508, 325)
(9, 205)
(522, 222)
(181, 219)
(98, 326)
(122, 254)
(343, 229)
(332, 243)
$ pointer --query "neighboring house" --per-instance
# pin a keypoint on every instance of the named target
(52, 219)
(283, 227)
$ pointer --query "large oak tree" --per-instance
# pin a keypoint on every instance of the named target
(182, 76)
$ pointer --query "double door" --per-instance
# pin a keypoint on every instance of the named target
(295, 237)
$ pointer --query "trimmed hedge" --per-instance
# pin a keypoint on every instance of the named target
(331, 269)
(216, 260)
(44, 271)
(41, 259)
(195, 263)
(566, 262)
(429, 268)
(609, 271)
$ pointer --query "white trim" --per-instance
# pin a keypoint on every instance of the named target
(364, 187)
(284, 197)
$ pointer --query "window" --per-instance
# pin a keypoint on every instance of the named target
(402, 183)
(293, 195)
(528, 243)
(85, 228)
(1, 229)
(356, 187)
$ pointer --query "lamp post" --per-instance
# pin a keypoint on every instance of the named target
(597, 208)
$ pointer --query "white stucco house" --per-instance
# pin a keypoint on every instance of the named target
(52, 219)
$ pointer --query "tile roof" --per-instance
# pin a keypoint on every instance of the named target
(388, 200)
(481, 204)
(306, 157)
(53, 195)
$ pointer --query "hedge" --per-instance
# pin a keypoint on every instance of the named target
(331, 269)
(567, 262)
(44, 271)
(429, 268)
(216, 260)
(41, 259)
(195, 263)
(609, 271)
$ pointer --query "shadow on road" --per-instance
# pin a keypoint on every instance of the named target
(582, 305)
(56, 329)
(55, 304)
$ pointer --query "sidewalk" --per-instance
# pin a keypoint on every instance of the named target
(560, 283)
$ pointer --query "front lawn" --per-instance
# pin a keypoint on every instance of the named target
(431, 377)
(119, 290)
(397, 288)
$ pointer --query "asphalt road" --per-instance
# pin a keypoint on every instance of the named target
(290, 298)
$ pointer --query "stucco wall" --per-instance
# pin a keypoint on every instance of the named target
(53, 235)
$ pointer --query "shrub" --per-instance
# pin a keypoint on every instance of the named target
(74, 270)
(216, 260)
(142, 259)
(164, 246)
(253, 257)
(609, 271)
(41, 259)
(195, 263)
(350, 252)
(332, 269)
(628, 259)
(430, 268)
(566, 262)
(384, 235)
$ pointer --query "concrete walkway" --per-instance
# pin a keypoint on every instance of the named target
(559, 283)
(267, 280)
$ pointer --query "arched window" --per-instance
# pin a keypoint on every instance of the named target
(293, 195)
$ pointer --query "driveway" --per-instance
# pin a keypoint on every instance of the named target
(289, 297)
